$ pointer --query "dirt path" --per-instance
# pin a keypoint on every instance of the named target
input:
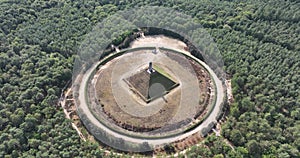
(229, 91)
(67, 114)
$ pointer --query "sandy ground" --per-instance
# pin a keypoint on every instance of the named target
(159, 41)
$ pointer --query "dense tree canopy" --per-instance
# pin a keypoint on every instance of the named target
(259, 42)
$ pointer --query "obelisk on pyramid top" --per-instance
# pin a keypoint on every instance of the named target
(150, 68)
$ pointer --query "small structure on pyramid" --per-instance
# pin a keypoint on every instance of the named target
(150, 69)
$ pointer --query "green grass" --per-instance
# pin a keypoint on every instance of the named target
(162, 71)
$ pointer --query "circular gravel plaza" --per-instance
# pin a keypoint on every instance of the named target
(167, 101)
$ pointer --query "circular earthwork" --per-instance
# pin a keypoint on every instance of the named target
(128, 108)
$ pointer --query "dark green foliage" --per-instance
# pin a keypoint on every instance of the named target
(259, 42)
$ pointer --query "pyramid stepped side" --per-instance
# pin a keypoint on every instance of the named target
(140, 82)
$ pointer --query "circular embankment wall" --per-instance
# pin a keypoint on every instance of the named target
(99, 115)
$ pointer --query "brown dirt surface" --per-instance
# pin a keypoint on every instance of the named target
(125, 120)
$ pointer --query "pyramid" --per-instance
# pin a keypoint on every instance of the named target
(150, 86)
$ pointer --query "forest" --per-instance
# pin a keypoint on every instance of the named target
(259, 42)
